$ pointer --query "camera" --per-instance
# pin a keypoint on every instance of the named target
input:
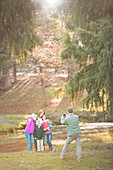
(64, 114)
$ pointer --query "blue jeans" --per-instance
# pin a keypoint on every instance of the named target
(48, 137)
(30, 141)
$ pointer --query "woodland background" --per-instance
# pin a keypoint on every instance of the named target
(55, 55)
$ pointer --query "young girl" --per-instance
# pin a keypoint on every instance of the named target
(47, 131)
(39, 135)
(29, 130)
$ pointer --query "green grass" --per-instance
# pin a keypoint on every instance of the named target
(7, 128)
(13, 117)
(92, 159)
(9, 123)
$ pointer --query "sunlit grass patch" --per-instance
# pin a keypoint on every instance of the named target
(10, 123)
(106, 137)
(96, 145)
(7, 128)
(15, 117)
(91, 159)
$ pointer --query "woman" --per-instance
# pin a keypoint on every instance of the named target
(29, 130)
(47, 131)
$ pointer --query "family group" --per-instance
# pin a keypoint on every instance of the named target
(42, 130)
(37, 130)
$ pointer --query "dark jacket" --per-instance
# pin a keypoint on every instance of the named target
(38, 132)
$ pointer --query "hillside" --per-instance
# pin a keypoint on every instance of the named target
(45, 62)
(44, 69)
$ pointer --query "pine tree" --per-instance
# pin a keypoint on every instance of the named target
(96, 65)
(17, 27)
(84, 11)
(95, 55)
(69, 50)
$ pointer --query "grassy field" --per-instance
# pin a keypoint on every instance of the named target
(14, 107)
(95, 156)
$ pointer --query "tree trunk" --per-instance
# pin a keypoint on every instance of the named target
(72, 67)
(111, 97)
(69, 70)
(111, 91)
(6, 78)
(14, 71)
(61, 24)
(43, 92)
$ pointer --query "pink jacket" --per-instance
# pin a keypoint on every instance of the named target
(30, 126)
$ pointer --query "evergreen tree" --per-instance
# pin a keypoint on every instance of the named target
(84, 11)
(3, 62)
(96, 62)
(95, 54)
(18, 27)
(68, 52)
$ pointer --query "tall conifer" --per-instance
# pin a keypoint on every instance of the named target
(95, 56)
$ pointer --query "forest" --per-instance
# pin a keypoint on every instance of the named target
(56, 54)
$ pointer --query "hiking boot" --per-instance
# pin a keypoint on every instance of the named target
(31, 151)
(61, 157)
(78, 160)
(52, 149)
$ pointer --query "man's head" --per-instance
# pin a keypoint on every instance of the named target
(70, 110)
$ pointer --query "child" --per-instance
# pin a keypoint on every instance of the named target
(47, 131)
(29, 130)
(40, 115)
(39, 135)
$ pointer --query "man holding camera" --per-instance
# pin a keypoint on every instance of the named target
(74, 132)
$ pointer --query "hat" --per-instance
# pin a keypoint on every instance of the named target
(33, 115)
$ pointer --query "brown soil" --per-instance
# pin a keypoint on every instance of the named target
(16, 146)
(22, 145)
(13, 147)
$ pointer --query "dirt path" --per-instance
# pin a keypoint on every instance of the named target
(17, 142)
(13, 147)
(22, 145)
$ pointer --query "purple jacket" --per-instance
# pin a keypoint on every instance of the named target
(30, 126)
